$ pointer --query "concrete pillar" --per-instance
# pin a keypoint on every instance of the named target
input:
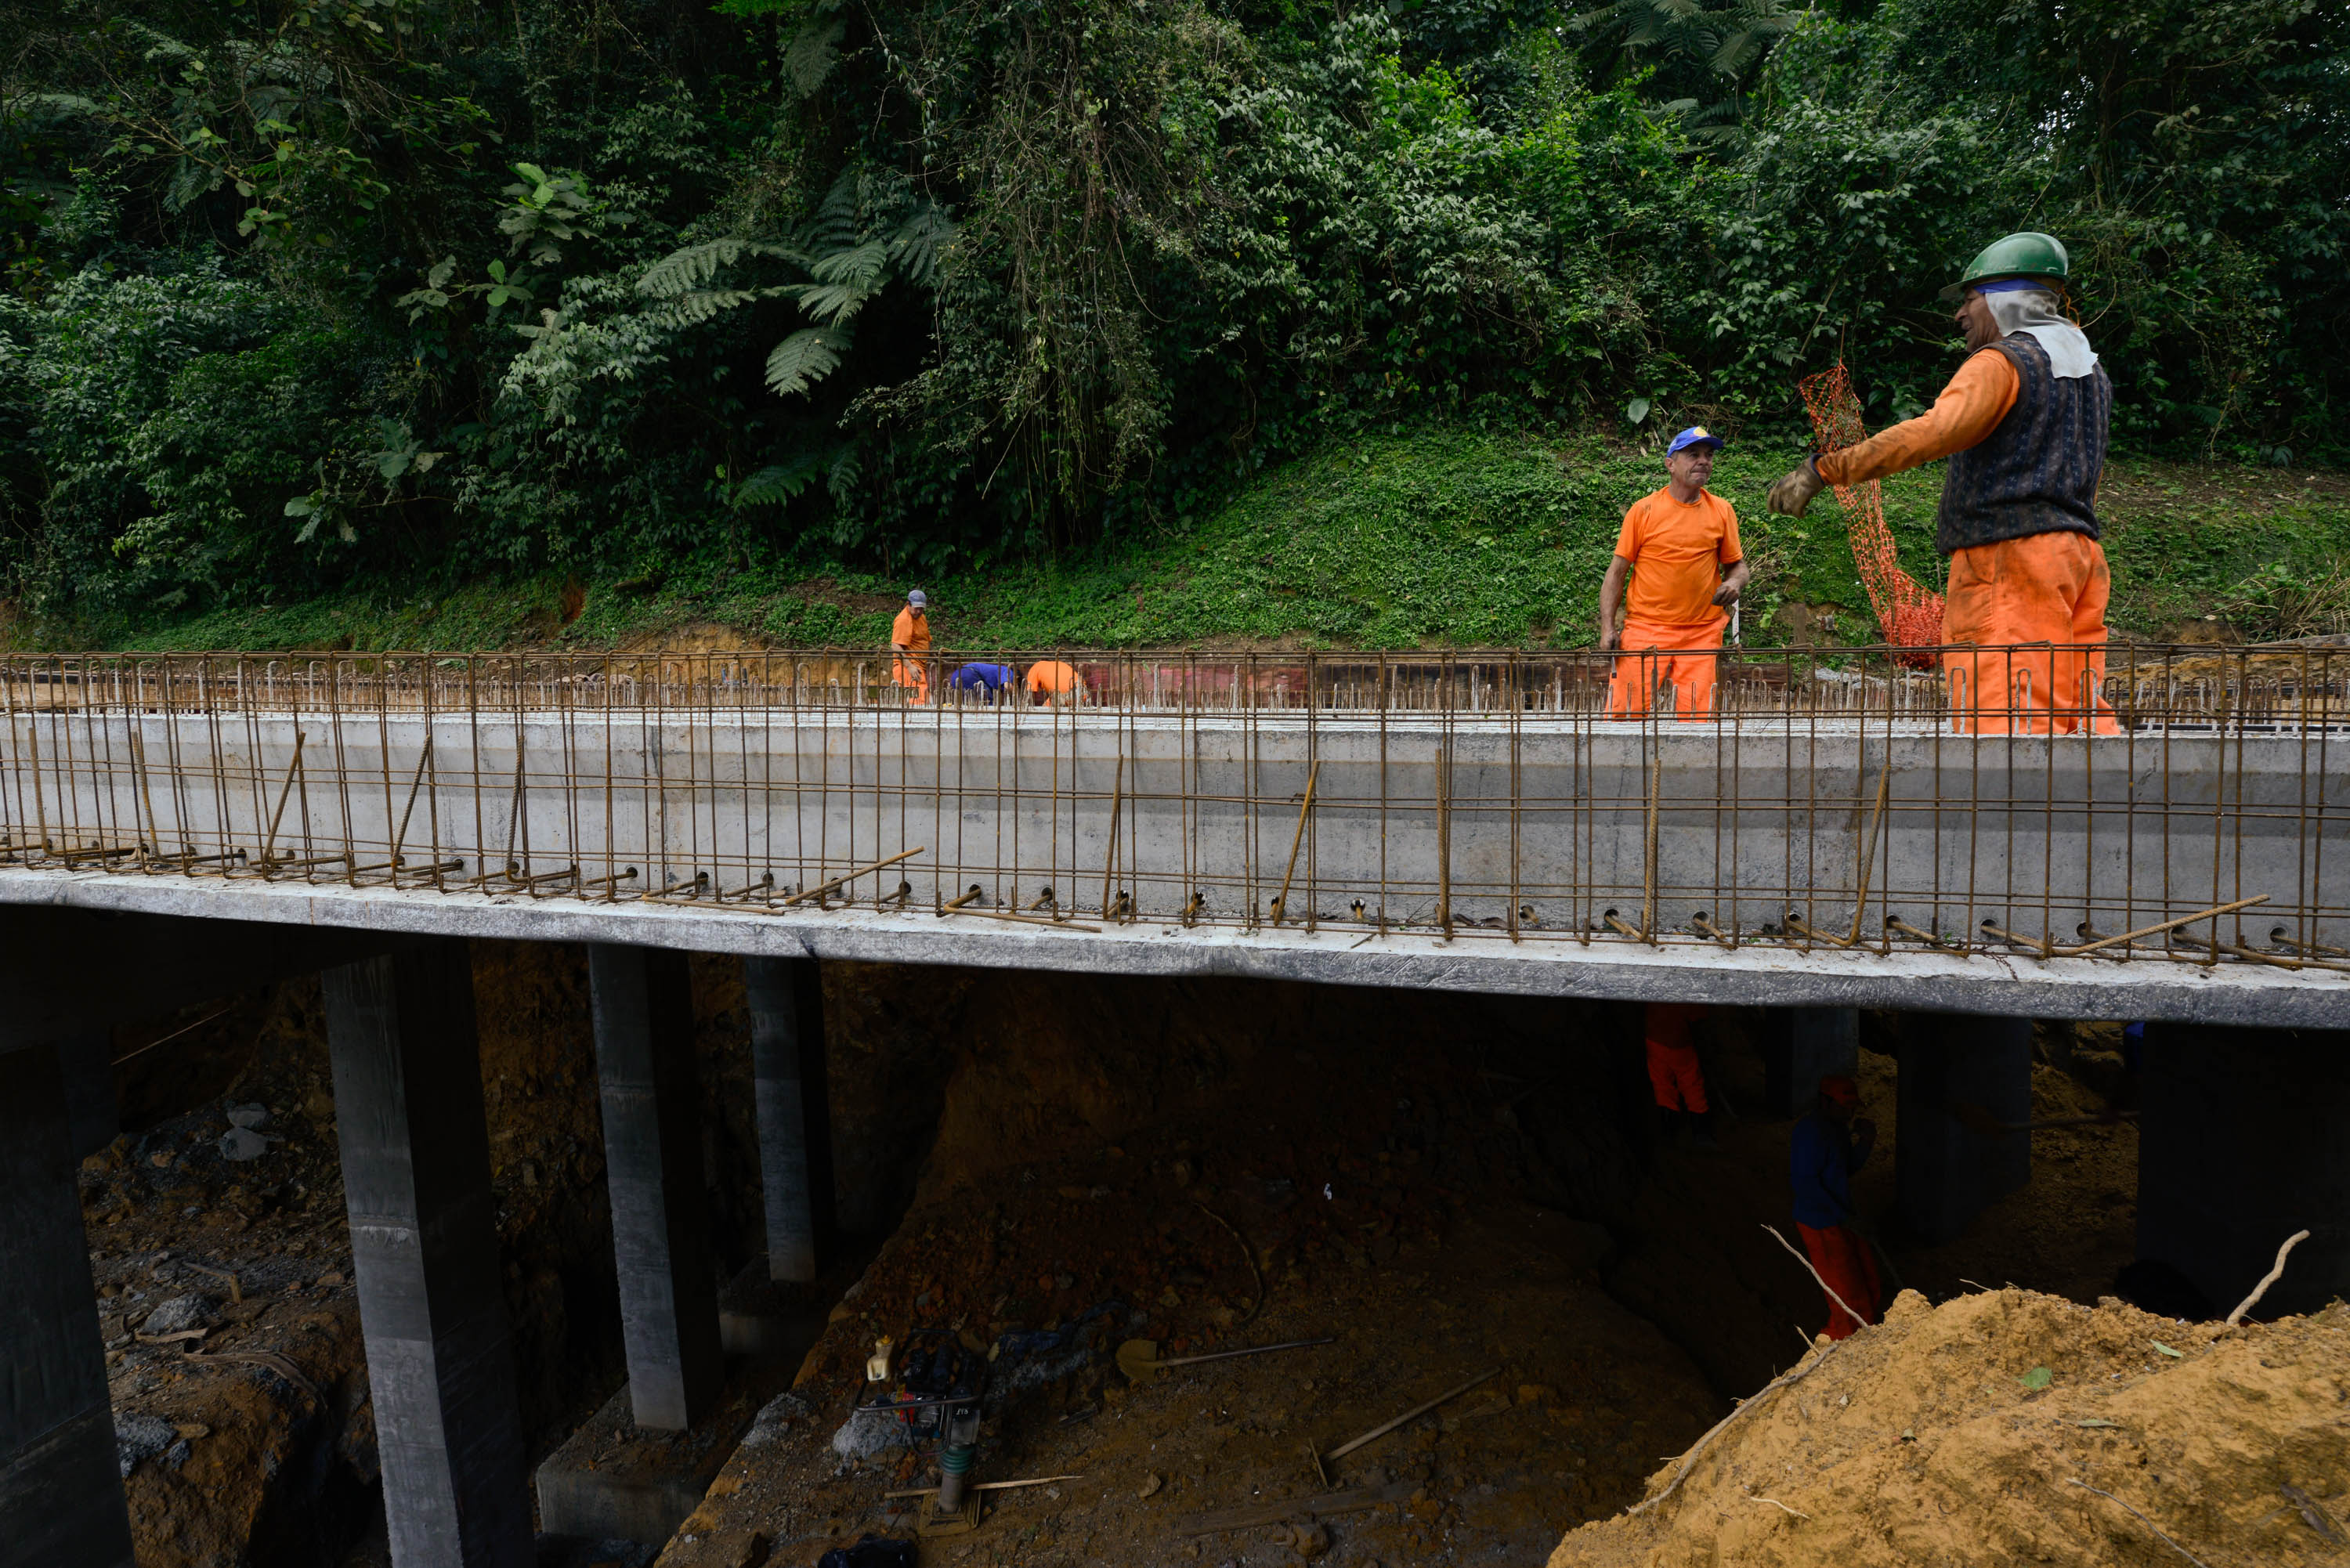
(2240, 1144)
(643, 1000)
(424, 1241)
(1946, 1171)
(61, 1494)
(794, 1116)
(1817, 1042)
(92, 1116)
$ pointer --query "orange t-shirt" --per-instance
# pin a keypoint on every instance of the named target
(1677, 554)
(910, 631)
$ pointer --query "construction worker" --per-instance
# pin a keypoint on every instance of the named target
(984, 680)
(1829, 1145)
(1050, 681)
(2023, 424)
(1674, 1073)
(1679, 547)
(909, 638)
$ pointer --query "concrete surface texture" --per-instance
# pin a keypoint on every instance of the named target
(416, 1176)
(652, 1159)
(1613, 968)
(60, 1498)
(1575, 842)
(1561, 822)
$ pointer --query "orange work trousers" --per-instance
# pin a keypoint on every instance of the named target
(2044, 588)
(1675, 1075)
(1841, 1254)
(913, 670)
(1673, 1070)
(1639, 670)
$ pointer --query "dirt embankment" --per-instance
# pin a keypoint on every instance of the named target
(2011, 1426)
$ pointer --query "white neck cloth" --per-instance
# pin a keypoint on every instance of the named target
(2034, 310)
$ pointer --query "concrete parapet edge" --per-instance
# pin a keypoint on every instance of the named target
(2018, 985)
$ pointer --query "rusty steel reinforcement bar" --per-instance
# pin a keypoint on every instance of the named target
(1822, 798)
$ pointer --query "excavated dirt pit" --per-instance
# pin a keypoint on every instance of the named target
(1447, 1187)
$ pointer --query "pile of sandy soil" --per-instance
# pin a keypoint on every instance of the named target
(2011, 1426)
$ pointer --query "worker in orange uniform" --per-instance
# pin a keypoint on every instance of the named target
(1050, 681)
(1829, 1145)
(1679, 547)
(909, 639)
(1674, 1072)
(2023, 424)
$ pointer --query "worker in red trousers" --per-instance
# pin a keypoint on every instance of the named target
(1830, 1144)
(1674, 1072)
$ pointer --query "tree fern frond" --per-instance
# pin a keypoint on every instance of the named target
(698, 306)
(860, 266)
(681, 271)
(842, 480)
(834, 302)
(806, 358)
(778, 483)
(812, 54)
(834, 226)
(920, 244)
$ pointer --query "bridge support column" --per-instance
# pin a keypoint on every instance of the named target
(643, 1000)
(795, 1117)
(424, 1242)
(61, 1494)
(1947, 1172)
(86, 1061)
(2239, 1146)
(1817, 1042)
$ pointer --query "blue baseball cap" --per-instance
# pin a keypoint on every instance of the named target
(1696, 435)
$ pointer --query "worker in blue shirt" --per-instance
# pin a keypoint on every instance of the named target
(984, 680)
(1829, 1145)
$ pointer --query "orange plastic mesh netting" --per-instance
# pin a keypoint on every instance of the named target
(1910, 612)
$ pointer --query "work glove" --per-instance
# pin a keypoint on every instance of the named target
(1795, 489)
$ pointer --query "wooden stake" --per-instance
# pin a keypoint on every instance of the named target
(1384, 1428)
(1281, 904)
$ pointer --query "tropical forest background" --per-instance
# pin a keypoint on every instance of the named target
(336, 321)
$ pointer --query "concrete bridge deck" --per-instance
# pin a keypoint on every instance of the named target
(1831, 855)
(1609, 966)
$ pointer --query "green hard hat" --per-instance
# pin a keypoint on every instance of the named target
(2026, 255)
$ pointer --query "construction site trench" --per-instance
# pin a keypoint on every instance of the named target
(1451, 1191)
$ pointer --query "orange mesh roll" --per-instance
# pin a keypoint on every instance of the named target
(1910, 612)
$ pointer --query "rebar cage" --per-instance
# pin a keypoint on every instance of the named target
(2128, 802)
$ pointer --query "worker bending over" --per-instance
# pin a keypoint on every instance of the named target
(909, 638)
(1052, 682)
(1679, 547)
(1674, 1072)
(981, 682)
(1829, 1145)
(2023, 424)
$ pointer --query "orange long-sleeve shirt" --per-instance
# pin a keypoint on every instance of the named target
(1969, 410)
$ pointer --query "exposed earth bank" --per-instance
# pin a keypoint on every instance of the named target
(2011, 1426)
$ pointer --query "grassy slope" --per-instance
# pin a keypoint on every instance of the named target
(1436, 537)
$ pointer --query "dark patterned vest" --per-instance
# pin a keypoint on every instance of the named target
(2037, 471)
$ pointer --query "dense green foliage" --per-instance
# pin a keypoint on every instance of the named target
(1493, 538)
(389, 297)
